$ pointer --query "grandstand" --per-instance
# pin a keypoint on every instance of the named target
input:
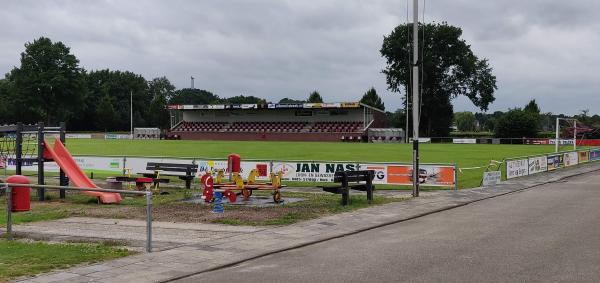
(343, 121)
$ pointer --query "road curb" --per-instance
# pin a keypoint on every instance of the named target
(391, 222)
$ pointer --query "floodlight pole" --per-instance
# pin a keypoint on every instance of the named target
(415, 100)
(556, 147)
(131, 114)
(574, 134)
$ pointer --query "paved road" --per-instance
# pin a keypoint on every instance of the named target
(544, 234)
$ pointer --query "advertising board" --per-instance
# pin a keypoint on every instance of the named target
(517, 168)
(491, 178)
(570, 158)
(464, 141)
(584, 156)
(538, 164)
(555, 161)
(385, 173)
(594, 154)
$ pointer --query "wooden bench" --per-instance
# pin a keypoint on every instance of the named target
(345, 178)
(189, 170)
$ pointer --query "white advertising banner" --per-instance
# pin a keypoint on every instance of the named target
(385, 173)
(464, 141)
(516, 168)
(491, 178)
(306, 171)
(571, 158)
(538, 164)
(213, 166)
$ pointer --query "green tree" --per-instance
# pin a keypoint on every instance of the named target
(49, 85)
(396, 119)
(372, 99)
(240, 99)
(105, 114)
(193, 96)
(6, 105)
(465, 121)
(315, 97)
(517, 123)
(161, 90)
(449, 69)
(290, 101)
(532, 107)
(124, 88)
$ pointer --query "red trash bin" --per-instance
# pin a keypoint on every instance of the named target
(20, 195)
(233, 163)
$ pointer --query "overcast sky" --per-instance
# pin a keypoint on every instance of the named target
(543, 49)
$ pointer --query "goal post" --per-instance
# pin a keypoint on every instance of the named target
(558, 140)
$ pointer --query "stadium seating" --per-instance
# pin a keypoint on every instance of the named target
(277, 127)
(199, 127)
(336, 127)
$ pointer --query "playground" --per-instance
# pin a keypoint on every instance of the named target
(91, 208)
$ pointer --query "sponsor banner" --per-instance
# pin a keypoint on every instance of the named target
(491, 178)
(431, 175)
(555, 162)
(78, 136)
(422, 140)
(584, 156)
(517, 168)
(106, 164)
(538, 164)
(537, 141)
(570, 158)
(562, 141)
(311, 171)
(117, 137)
(313, 105)
(331, 105)
(350, 104)
(464, 140)
(393, 174)
(263, 167)
(595, 154)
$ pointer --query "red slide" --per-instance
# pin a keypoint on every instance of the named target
(65, 161)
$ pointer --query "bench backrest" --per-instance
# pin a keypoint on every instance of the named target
(173, 167)
(354, 176)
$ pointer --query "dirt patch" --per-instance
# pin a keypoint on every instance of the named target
(194, 213)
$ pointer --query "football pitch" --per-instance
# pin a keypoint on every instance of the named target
(464, 155)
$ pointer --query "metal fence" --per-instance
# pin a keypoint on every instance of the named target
(9, 186)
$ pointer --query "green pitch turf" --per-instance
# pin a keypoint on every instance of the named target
(465, 155)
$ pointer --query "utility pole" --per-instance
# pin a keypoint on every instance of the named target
(131, 114)
(415, 100)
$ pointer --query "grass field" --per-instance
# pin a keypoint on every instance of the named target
(21, 258)
(465, 155)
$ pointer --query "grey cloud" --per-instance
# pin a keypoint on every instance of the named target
(272, 48)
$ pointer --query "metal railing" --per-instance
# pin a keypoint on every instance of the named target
(9, 186)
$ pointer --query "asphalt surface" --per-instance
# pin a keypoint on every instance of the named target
(549, 233)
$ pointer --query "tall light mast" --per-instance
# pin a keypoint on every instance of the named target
(415, 98)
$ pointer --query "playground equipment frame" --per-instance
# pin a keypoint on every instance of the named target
(19, 129)
(148, 194)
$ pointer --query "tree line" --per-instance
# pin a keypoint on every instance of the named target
(51, 86)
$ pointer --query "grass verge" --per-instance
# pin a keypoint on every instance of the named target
(24, 258)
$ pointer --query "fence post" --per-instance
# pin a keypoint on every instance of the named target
(63, 178)
(19, 149)
(455, 177)
(149, 221)
(41, 192)
(9, 213)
